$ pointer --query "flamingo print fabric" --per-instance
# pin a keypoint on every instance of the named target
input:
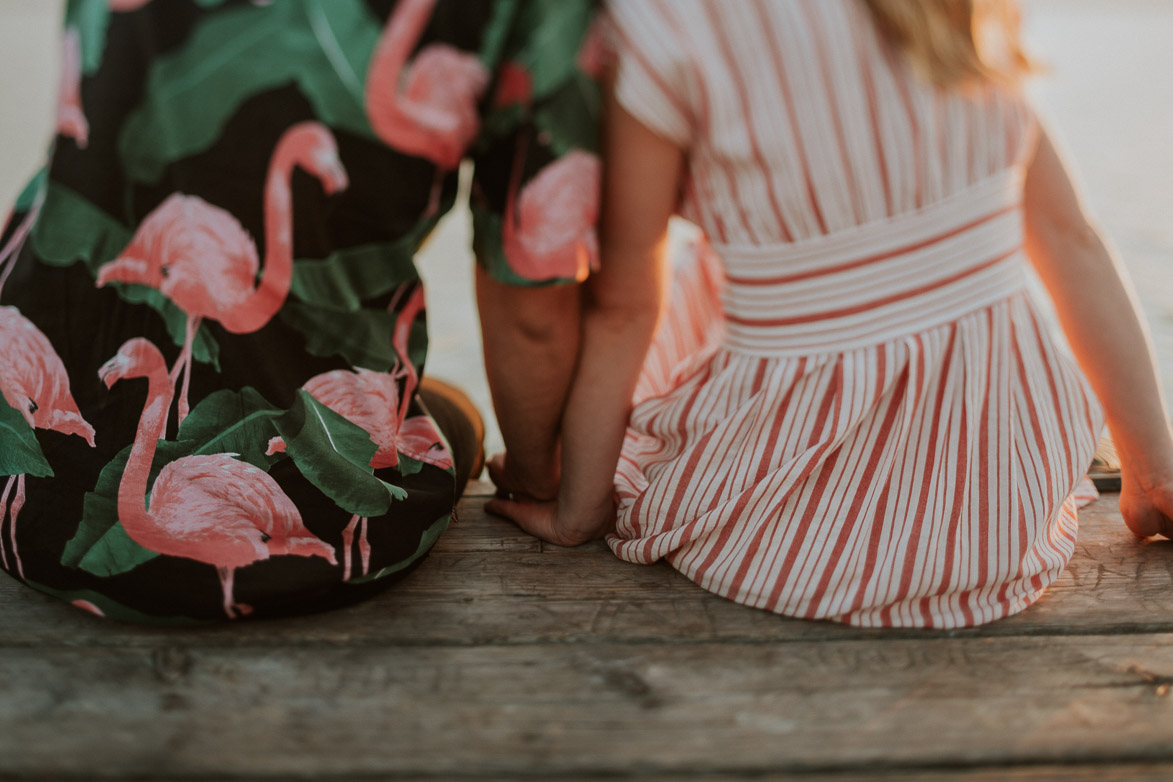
(211, 328)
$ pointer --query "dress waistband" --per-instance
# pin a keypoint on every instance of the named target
(880, 281)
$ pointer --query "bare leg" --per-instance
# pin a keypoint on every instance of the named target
(17, 504)
(4, 515)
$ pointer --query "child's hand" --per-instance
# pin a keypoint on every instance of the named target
(1147, 504)
(541, 520)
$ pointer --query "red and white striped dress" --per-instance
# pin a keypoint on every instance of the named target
(854, 411)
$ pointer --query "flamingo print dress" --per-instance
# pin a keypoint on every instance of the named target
(211, 327)
(854, 411)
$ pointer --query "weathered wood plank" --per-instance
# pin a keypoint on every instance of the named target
(475, 530)
(1092, 772)
(591, 709)
(478, 489)
(457, 597)
(1132, 772)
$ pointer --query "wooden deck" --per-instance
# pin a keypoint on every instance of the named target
(502, 658)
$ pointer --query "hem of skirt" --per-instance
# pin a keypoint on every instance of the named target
(874, 617)
(900, 615)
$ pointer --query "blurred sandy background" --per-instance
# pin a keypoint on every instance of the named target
(1108, 98)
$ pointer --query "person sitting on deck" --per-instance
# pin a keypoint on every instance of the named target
(851, 409)
(212, 333)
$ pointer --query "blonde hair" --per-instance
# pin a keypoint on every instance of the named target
(956, 42)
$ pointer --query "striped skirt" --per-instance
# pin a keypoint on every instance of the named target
(872, 427)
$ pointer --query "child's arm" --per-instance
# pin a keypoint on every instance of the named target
(1099, 313)
(621, 307)
(530, 338)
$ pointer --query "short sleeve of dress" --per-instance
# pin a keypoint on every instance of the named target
(650, 66)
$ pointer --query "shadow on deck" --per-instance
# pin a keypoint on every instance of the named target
(501, 658)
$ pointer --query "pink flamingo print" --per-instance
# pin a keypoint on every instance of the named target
(595, 53)
(71, 120)
(421, 440)
(550, 230)
(371, 401)
(86, 605)
(200, 257)
(514, 86)
(210, 508)
(432, 111)
(10, 251)
(33, 380)
(367, 399)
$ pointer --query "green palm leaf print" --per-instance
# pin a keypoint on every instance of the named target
(321, 46)
(19, 452)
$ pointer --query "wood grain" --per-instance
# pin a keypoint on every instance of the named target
(501, 658)
(472, 591)
(722, 708)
